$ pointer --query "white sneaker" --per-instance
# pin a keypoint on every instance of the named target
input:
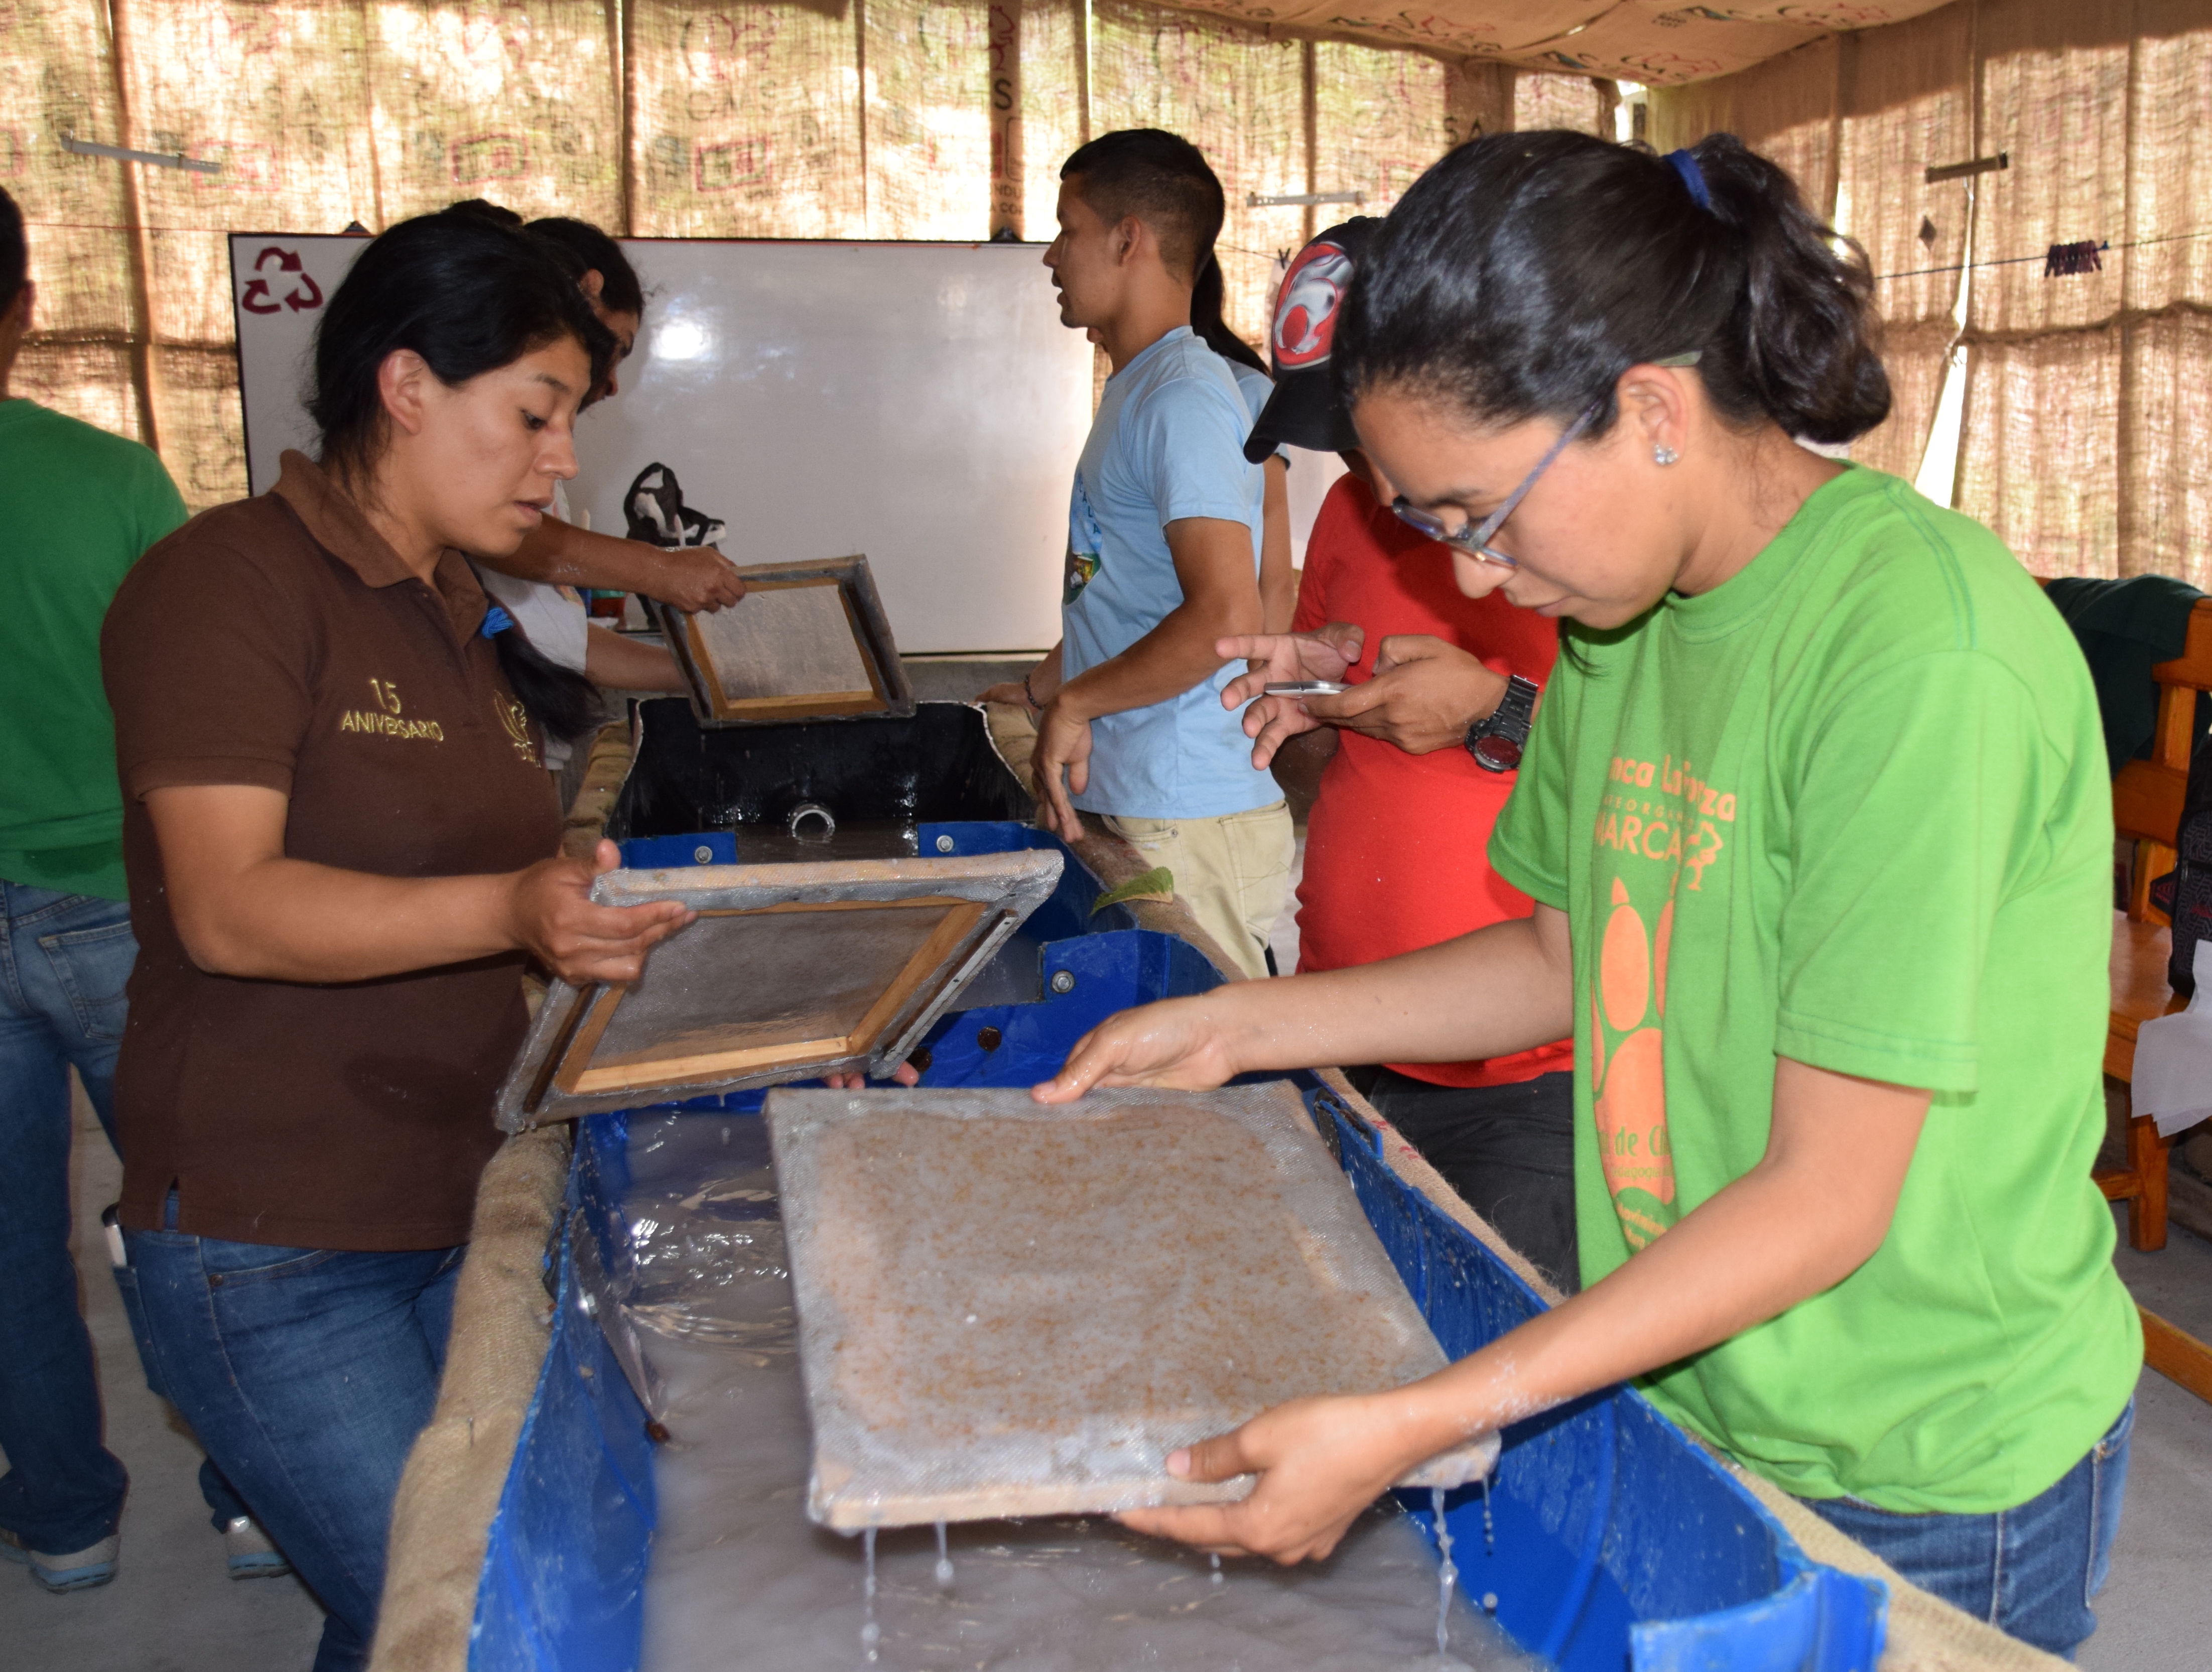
(249, 1552)
(79, 1571)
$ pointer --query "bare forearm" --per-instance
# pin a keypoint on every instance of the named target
(1508, 990)
(1813, 1210)
(1165, 663)
(288, 919)
(621, 663)
(560, 553)
(1035, 687)
(1044, 679)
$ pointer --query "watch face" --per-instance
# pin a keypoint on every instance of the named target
(1498, 754)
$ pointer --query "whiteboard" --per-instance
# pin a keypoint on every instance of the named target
(920, 403)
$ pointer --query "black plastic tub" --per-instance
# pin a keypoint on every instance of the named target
(936, 766)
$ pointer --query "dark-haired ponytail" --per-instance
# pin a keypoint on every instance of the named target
(592, 251)
(561, 701)
(1524, 272)
(1206, 297)
(1803, 344)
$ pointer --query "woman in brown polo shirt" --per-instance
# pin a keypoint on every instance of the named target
(339, 837)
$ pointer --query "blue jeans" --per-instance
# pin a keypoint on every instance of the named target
(306, 1374)
(2030, 1571)
(64, 959)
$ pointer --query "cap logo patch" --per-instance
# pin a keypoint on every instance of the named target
(1305, 309)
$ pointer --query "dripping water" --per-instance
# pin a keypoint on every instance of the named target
(1215, 1559)
(870, 1634)
(1489, 1532)
(944, 1561)
(1447, 1575)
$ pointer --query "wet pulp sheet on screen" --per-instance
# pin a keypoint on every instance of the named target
(1010, 1310)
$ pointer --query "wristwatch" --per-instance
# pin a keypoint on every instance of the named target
(1496, 742)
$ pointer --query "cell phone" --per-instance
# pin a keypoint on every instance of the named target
(1306, 687)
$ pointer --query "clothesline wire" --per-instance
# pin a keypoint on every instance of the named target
(1277, 255)
(2045, 255)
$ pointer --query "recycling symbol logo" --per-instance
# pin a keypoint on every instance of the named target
(303, 293)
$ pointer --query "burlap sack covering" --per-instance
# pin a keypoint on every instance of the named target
(441, 1520)
(608, 765)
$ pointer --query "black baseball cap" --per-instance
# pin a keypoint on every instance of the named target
(1305, 411)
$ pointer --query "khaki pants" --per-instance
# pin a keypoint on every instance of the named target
(1233, 872)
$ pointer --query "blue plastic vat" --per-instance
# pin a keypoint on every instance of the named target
(1620, 1544)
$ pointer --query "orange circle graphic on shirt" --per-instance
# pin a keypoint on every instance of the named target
(1624, 967)
(1659, 940)
(1631, 1118)
(1597, 1044)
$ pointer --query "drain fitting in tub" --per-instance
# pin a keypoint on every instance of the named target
(806, 811)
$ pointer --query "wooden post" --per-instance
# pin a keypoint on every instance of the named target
(861, 110)
(145, 364)
(1006, 42)
(1309, 116)
(1478, 99)
(618, 42)
(1083, 72)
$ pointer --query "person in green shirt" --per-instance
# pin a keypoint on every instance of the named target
(1816, 815)
(77, 508)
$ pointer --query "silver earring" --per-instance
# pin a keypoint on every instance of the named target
(1664, 455)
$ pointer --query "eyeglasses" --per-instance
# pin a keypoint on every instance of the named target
(1475, 537)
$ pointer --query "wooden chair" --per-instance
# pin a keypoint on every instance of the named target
(2147, 799)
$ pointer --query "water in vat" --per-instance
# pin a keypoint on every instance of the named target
(740, 1577)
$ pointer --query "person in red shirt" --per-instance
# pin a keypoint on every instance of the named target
(1401, 802)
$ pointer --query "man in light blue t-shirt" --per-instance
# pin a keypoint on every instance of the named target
(1165, 530)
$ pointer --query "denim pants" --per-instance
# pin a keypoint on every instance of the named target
(64, 959)
(306, 1374)
(2031, 1571)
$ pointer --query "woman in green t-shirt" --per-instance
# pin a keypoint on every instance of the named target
(1816, 817)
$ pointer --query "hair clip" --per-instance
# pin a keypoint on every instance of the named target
(1686, 165)
(495, 622)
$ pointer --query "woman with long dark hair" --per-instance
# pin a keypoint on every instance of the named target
(340, 841)
(553, 655)
(1817, 817)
